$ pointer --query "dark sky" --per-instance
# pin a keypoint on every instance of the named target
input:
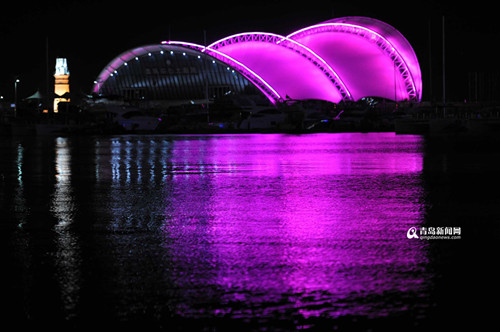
(90, 33)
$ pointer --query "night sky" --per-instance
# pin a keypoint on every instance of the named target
(91, 33)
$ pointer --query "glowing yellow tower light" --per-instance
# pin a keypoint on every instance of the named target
(61, 82)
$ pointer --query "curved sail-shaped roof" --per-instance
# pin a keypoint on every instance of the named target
(372, 57)
(167, 72)
(294, 70)
(338, 60)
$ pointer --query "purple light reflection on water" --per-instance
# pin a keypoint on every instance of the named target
(295, 226)
(252, 231)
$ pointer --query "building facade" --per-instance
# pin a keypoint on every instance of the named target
(340, 60)
(61, 84)
(169, 74)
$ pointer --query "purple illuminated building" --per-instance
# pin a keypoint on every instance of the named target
(343, 59)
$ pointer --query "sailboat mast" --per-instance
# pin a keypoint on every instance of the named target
(47, 72)
(444, 73)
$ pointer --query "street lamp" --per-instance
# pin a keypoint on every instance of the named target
(15, 96)
(98, 83)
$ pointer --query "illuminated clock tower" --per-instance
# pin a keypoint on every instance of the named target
(62, 82)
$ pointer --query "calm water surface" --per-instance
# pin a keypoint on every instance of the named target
(277, 232)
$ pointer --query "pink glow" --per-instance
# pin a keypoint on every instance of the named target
(341, 59)
(293, 69)
(312, 217)
(265, 87)
(353, 45)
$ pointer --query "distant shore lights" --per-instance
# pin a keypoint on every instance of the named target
(61, 87)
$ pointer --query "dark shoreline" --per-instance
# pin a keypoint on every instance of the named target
(452, 127)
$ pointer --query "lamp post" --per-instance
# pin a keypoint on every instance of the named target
(98, 83)
(15, 96)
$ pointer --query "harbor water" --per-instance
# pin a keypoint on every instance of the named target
(271, 232)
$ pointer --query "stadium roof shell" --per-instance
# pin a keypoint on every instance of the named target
(343, 59)
(167, 73)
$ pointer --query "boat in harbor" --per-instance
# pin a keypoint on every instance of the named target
(130, 119)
